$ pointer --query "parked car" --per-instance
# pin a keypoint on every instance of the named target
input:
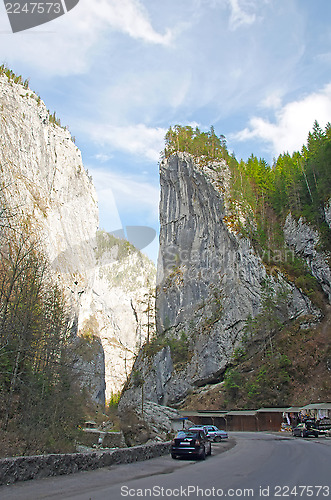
(212, 431)
(193, 442)
(215, 433)
(305, 429)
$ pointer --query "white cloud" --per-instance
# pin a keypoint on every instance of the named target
(65, 45)
(238, 15)
(273, 100)
(135, 139)
(292, 123)
(102, 158)
(130, 17)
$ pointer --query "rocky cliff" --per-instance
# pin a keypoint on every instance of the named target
(306, 240)
(44, 182)
(211, 284)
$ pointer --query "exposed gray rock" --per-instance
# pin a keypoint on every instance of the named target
(305, 240)
(210, 281)
(115, 306)
(89, 366)
(147, 421)
(327, 213)
(45, 183)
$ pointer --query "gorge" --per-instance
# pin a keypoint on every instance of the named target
(224, 301)
(243, 283)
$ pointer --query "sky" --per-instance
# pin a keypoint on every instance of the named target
(118, 73)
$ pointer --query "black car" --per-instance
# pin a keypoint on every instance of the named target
(191, 443)
(305, 429)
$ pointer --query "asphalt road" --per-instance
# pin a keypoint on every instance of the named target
(259, 465)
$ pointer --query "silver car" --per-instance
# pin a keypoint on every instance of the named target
(213, 432)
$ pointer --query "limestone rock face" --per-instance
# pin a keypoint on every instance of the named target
(305, 239)
(116, 305)
(44, 182)
(149, 422)
(43, 171)
(327, 212)
(209, 282)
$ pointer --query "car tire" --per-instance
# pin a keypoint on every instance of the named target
(203, 454)
(173, 456)
(209, 452)
(218, 439)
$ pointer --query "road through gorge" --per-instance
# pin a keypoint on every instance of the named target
(259, 465)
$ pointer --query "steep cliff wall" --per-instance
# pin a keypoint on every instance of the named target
(210, 284)
(44, 182)
(305, 241)
(116, 306)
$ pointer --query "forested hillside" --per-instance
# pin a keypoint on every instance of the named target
(275, 364)
(40, 403)
(299, 183)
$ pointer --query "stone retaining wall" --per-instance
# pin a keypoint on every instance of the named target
(39, 466)
(91, 437)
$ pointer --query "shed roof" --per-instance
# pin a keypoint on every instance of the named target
(271, 410)
(317, 406)
(242, 413)
(205, 413)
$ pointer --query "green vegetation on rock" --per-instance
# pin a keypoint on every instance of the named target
(40, 403)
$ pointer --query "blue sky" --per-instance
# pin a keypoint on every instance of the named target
(120, 72)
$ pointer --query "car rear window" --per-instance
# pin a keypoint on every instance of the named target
(190, 434)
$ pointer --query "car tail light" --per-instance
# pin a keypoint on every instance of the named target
(197, 442)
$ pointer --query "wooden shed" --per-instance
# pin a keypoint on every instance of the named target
(270, 419)
(241, 420)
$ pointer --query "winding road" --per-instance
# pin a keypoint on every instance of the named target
(259, 465)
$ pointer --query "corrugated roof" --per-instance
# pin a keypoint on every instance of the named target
(317, 406)
(191, 413)
(241, 413)
(272, 410)
(223, 413)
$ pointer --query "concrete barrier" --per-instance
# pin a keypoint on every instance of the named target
(39, 466)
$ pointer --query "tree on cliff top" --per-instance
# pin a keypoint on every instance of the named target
(189, 140)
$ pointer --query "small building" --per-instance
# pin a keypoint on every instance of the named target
(270, 419)
(292, 416)
(241, 420)
(317, 410)
(206, 417)
(179, 423)
(263, 419)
